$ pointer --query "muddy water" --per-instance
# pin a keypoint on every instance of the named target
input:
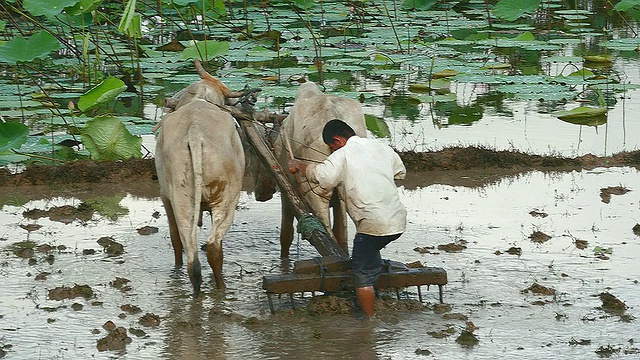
(486, 282)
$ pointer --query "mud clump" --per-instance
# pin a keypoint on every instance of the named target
(117, 339)
(539, 237)
(611, 304)
(121, 284)
(65, 214)
(514, 251)
(636, 229)
(147, 230)
(330, 304)
(535, 213)
(467, 339)
(23, 249)
(131, 309)
(540, 290)
(110, 246)
(63, 292)
(605, 193)
(149, 320)
(452, 247)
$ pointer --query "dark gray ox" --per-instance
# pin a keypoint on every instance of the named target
(303, 126)
(200, 164)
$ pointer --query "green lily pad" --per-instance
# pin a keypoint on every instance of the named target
(47, 8)
(208, 49)
(12, 135)
(598, 58)
(512, 10)
(107, 138)
(18, 49)
(107, 90)
(377, 126)
(583, 115)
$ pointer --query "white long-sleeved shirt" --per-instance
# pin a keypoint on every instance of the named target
(364, 170)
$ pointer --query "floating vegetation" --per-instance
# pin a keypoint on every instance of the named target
(23, 249)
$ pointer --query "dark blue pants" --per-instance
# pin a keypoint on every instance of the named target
(366, 262)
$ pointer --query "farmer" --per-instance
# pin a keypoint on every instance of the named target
(365, 169)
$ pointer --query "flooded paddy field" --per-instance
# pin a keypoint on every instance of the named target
(540, 264)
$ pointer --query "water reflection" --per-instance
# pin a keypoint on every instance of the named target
(491, 214)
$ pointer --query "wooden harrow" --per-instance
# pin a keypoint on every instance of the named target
(331, 272)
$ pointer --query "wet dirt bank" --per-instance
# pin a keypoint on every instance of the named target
(481, 165)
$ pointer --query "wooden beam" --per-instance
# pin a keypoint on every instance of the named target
(318, 237)
(341, 281)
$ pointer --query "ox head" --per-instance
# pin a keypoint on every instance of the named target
(208, 89)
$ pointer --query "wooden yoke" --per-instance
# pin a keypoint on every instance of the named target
(317, 236)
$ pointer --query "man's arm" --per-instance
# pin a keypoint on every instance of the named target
(399, 170)
(297, 165)
(327, 173)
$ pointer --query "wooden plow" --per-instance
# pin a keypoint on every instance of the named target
(330, 272)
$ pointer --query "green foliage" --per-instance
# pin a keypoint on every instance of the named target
(208, 48)
(47, 8)
(377, 126)
(583, 115)
(12, 135)
(107, 90)
(19, 49)
(127, 16)
(83, 7)
(302, 4)
(418, 4)
(512, 10)
(108, 206)
(106, 138)
(625, 5)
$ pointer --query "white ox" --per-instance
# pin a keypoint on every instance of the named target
(303, 126)
(200, 164)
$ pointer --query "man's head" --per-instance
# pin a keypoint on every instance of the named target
(336, 133)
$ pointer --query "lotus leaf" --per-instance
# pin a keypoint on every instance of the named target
(18, 49)
(511, 10)
(47, 8)
(206, 50)
(107, 138)
(12, 135)
(580, 112)
(377, 126)
(105, 91)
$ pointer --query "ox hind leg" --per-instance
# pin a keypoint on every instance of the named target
(286, 229)
(176, 243)
(221, 219)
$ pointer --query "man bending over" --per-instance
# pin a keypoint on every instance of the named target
(365, 169)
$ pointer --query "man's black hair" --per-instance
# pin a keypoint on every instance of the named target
(336, 127)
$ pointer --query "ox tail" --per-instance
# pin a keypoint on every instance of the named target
(204, 75)
(195, 146)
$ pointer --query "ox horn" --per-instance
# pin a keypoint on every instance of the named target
(204, 75)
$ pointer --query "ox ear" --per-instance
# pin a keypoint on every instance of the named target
(171, 103)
